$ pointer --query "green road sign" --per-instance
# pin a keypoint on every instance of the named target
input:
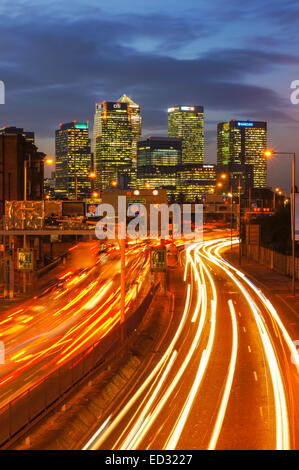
(158, 260)
(25, 259)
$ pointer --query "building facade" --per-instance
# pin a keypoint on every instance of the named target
(17, 152)
(158, 159)
(73, 160)
(136, 124)
(243, 143)
(195, 181)
(113, 152)
(187, 122)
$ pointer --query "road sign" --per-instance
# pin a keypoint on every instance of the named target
(134, 210)
(25, 259)
(92, 210)
(158, 259)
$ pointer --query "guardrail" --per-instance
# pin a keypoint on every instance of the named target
(15, 415)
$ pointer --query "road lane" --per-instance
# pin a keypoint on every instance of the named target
(221, 381)
(78, 309)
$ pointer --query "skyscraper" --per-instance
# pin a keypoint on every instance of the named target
(243, 143)
(157, 162)
(135, 120)
(195, 180)
(97, 125)
(113, 153)
(187, 122)
(73, 160)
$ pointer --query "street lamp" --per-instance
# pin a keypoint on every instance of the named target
(269, 153)
(239, 217)
(231, 218)
(92, 175)
(48, 161)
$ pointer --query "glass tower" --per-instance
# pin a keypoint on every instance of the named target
(135, 121)
(243, 143)
(73, 160)
(195, 180)
(157, 161)
(113, 153)
(187, 122)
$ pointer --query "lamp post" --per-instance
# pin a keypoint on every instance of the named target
(231, 217)
(269, 153)
(25, 180)
(239, 225)
(48, 161)
(92, 175)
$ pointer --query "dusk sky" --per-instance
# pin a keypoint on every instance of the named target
(237, 59)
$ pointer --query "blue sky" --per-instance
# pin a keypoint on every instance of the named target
(236, 59)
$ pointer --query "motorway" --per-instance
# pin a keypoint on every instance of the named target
(72, 312)
(225, 378)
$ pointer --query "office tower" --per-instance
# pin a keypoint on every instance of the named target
(16, 152)
(157, 162)
(73, 160)
(243, 143)
(194, 181)
(135, 120)
(187, 122)
(97, 125)
(113, 154)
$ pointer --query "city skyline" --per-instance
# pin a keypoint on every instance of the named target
(159, 57)
(149, 276)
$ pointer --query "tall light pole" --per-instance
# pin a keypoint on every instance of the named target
(269, 153)
(92, 175)
(25, 180)
(240, 257)
(48, 161)
(231, 216)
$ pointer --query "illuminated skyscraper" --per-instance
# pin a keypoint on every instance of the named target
(187, 122)
(195, 180)
(113, 153)
(243, 143)
(157, 162)
(73, 160)
(135, 120)
(97, 125)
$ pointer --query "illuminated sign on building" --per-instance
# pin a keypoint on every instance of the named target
(245, 124)
(187, 108)
(81, 125)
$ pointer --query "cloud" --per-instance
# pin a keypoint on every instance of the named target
(55, 69)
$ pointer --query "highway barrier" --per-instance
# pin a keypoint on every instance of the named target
(272, 259)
